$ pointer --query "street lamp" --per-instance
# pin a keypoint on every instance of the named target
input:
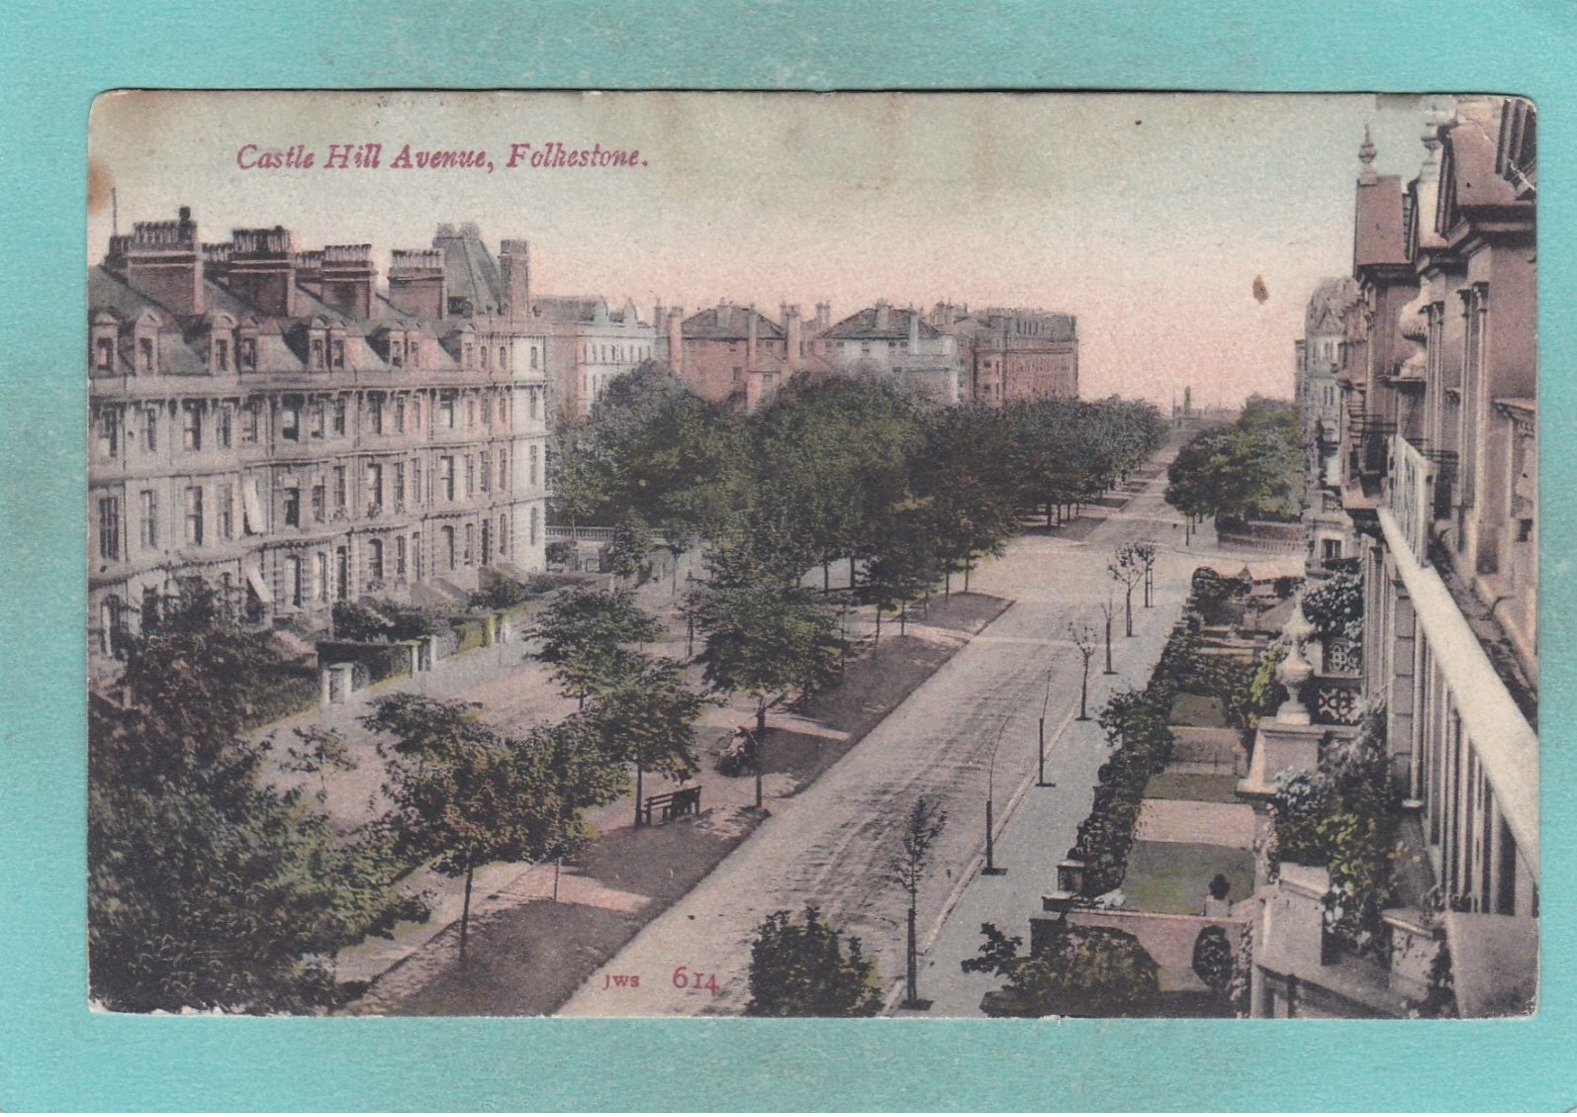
(1040, 771)
(992, 869)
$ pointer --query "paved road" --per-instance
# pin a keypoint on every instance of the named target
(832, 843)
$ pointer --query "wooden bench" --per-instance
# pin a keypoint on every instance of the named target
(672, 804)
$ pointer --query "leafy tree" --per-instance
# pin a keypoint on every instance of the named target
(583, 633)
(800, 968)
(1335, 607)
(1250, 469)
(965, 479)
(646, 717)
(1084, 640)
(317, 752)
(463, 795)
(208, 887)
(921, 827)
(1213, 959)
(569, 760)
(902, 565)
(1079, 971)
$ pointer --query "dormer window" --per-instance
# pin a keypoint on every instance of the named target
(145, 355)
(316, 353)
(468, 355)
(337, 353)
(104, 354)
(246, 353)
(396, 351)
(221, 355)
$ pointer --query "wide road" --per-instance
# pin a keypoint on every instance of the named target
(832, 844)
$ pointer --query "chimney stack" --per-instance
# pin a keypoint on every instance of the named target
(416, 282)
(914, 331)
(346, 278)
(794, 346)
(514, 265)
(750, 340)
(263, 269)
(676, 339)
(883, 314)
(823, 320)
(162, 260)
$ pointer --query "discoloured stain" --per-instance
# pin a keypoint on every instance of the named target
(1261, 292)
(100, 182)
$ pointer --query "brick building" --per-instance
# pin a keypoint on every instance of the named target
(1013, 353)
(737, 355)
(266, 417)
(889, 341)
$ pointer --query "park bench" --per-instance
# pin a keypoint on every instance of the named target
(672, 804)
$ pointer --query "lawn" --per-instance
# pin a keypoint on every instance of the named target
(1171, 877)
(1206, 787)
(1198, 710)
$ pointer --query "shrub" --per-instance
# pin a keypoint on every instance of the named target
(1213, 959)
(370, 622)
(1078, 971)
(1335, 607)
(800, 968)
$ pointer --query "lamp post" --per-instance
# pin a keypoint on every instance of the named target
(992, 869)
(1040, 769)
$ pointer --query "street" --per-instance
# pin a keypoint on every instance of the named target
(971, 728)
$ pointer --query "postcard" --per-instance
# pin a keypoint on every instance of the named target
(926, 555)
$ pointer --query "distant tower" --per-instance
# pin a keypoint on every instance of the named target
(1188, 401)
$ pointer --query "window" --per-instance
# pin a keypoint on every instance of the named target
(292, 507)
(293, 580)
(226, 512)
(290, 419)
(320, 419)
(374, 488)
(375, 413)
(341, 573)
(470, 414)
(532, 460)
(192, 426)
(487, 411)
(339, 488)
(319, 502)
(446, 544)
(470, 475)
(374, 561)
(320, 576)
(104, 354)
(533, 357)
(468, 355)
(145, 355)
(1332, 550)
(416, 414)
(484, 356)
(399, 486)
(470, 544)
(399, 415)
(224, 424)
(503, 357)
(339, 416)
(531, 396)
(194, 515)
(503, 533)
(149, 533)
(399, 557)
(221, 355)
(535, 514)
(109, 527)
(446, 476)
(246, 353)
(503, 469)
(150, 430)
(109, 433)
(416, 481)
(317, 353)
(396, 351)
(249, 423)
(337, 351)
(487, 471)
(416, 556)
(446, 411)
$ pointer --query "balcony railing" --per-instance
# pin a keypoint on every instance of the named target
(1334, 699)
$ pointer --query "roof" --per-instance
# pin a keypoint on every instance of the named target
(1331, 297)
(730, 323)
(470, 272)
(1379, 232)
(863, 325)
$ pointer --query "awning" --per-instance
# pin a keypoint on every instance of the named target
(252, 509)
(255, 577)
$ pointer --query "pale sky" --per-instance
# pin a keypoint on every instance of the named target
(1147, 216)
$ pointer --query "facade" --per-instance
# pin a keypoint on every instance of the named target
(589, 344)
(267, 418)
(1317, 363)
(888, 341)
(1013, 353)
(1437, 479)
(736, 355)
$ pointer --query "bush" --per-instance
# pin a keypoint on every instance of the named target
(1335, 607)
(501, 592)
(1078, 971)
(801, 969)
(371, 622)
(1213, 959)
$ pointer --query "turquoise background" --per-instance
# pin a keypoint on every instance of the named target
(54, 1054)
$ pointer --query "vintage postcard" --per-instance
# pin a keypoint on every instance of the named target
(812, 555)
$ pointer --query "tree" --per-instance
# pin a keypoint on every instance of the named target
(1249, 469)
(1084, 640)
(317, 752)
(1146, 552)
(463, 795)
(1127, 568)
(800, 968)
(900, 566)
(1078, 971)
(1108, 610)
(922, 826)
(582, 634)
(571, 758)
(209, 887)
(646, 717)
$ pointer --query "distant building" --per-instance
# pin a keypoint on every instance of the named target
(888, 341)
(267, 418)
(1013, 353)
(736, 355)
(1317, 362)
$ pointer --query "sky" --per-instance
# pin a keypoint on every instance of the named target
(1148, 216)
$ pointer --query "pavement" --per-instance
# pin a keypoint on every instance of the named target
(969, 732)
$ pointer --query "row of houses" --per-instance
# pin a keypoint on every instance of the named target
(1417, 378)
(273, 418)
